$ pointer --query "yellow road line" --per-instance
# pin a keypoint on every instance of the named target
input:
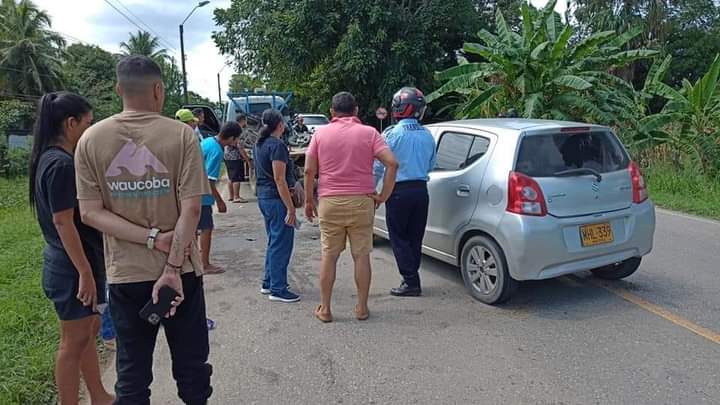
(662, 312)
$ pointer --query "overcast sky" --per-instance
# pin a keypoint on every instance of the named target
(96, 22)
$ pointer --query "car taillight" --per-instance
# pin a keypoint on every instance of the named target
(639, 190)
(525, 196)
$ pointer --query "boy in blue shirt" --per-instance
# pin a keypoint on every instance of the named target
(213, 150)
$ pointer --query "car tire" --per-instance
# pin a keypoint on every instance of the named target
(485, 271)
(618, 270)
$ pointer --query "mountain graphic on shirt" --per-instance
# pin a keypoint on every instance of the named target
(136, 160)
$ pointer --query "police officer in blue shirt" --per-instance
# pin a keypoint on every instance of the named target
(407, 208)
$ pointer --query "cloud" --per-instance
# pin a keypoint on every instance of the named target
(560, 7)
(96, 22)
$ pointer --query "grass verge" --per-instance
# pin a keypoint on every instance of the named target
(28, 325)
(684, 191)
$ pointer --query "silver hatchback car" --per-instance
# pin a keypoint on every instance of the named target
(517, 199)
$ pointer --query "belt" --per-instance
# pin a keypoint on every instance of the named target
(404, 185)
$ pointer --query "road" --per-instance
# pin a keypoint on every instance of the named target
(571, 340)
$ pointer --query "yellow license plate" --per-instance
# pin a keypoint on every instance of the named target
(596, 234)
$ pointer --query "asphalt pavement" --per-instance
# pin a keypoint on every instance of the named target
(653, 338)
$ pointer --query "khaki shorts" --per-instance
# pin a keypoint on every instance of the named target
(343, 218)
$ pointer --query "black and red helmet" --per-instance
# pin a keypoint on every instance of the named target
(408, 102)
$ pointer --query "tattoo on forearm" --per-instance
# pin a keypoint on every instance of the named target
(177, 251)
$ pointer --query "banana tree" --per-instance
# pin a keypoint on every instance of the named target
(541, 73)
(694, 111)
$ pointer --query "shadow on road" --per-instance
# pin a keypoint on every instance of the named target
(569, 297)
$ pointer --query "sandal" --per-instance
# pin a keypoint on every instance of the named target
(361, 316)
(323, 317)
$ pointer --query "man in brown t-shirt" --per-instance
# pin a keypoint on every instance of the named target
(140, 177)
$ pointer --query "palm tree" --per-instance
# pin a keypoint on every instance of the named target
(30, 52)
(145, 44)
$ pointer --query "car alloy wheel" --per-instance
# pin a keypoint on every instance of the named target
(482, 269)
(485, 270)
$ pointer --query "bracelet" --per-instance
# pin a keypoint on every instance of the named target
(174, 267)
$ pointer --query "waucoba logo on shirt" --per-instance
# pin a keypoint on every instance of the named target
(151, 175)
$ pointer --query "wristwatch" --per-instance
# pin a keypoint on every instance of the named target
(151, 238)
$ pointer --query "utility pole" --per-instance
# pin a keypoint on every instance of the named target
(182, 49)
(219, 91)
(182, 61)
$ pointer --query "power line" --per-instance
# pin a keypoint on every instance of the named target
(68, 36)
(160, 37)
(24, 71)
(20, 96)
(125, 15)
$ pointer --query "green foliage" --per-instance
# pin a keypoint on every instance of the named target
(30, 53)
(370, 48)
(15, 114)
(542, 74)
(694, 38)
(90, 71)
(244, 82)
(145, 44)
(691, 117)
(687, 30)
(172, 76)
(683, 189)
(14, 162)
(28, 325)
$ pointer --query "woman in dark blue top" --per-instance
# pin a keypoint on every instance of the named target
(74, 268)
(272, 168)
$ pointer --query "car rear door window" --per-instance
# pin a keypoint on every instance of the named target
(479, 149)
(545, 155)
(457, 151)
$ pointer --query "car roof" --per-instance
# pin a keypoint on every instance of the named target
(516, 125)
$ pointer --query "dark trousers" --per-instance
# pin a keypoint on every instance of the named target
(406, 215)
(187, 337)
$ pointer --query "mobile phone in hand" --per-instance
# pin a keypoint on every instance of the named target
(153, 313)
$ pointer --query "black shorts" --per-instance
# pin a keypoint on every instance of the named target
(61, 287)
(206, 218)
(236, 170)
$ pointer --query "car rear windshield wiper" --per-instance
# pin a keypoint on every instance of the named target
(579, 172)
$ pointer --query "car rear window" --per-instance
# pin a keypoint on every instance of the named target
(545, 155)
(315, 120)
(259, 108)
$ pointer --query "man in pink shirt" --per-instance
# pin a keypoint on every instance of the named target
(342, 153)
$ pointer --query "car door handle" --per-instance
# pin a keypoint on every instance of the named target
(463, 190)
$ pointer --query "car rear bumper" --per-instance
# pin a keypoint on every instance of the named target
(538, 248)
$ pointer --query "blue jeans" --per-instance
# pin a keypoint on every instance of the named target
(280, 244)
